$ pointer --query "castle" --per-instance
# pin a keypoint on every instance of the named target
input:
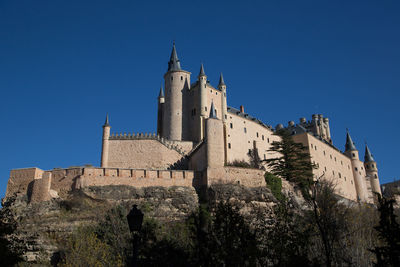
(198, 135)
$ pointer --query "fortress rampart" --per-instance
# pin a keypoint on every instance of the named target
(42, 185)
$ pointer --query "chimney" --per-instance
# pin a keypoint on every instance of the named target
(241, 109)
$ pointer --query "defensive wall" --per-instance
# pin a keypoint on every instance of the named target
(144, 151)
(42, 185)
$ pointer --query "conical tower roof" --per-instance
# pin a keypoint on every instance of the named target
(213, 114)
(368, 156)
(106, 123)
(349, 143)
(161, 94)
(174, 63)
(221, 80)
(202, 73)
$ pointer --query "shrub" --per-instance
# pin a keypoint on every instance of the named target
(275, 184)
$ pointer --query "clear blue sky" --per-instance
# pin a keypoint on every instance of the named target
(65, 64)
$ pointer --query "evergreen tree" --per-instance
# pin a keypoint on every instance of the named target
(293, 163)
(389, 232)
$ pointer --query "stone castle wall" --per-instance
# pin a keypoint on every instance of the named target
(20, 180)
(141, 153)
(235, 175)
(59, 182)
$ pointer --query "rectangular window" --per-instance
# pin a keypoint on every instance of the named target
(257, 134)
(265, 157)
(340, 176)
(262, 137)
(267, 140)
(231, 125)
(229, 145)
(245, 130)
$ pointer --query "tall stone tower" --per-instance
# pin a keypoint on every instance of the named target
(105, 144)
(372, 171)
(352, 152)
(176, 81)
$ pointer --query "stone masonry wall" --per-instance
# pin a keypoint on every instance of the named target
(20, 179)
(234, 175)
(141, 153)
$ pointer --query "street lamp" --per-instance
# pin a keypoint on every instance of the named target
(135, 220)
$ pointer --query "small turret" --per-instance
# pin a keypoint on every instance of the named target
(105, 143)
(349, 143)
(368, 156)
(221, 81)
(202, 91)
(161, 97)
(356, 165)
(160, 113)
(222, 87)
(213, 114)
(371, 170)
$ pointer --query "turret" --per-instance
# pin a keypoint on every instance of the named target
(160, 113)
(371, 170)
(105, 143)
(222, 87)
(176, 81)
(352, 152)
(214, 140)
(202, 91)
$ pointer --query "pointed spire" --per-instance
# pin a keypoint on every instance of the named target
(161, 94)
(368, 156)
(174, 63)
(213, 114)
(202, 73)
(221, 80)
(106, 124)
(349, 142)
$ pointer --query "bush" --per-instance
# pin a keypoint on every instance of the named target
(239, 163)
(275, 184)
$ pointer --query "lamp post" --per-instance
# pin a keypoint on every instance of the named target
(135, 220)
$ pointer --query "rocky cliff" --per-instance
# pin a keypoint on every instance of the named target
(40, 225)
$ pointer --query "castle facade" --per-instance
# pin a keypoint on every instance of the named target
(198, 135)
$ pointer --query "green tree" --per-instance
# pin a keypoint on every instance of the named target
(113, 229)
(275, 184)
(293, 163)
(229, 240)
(389, 232)
(84, 248)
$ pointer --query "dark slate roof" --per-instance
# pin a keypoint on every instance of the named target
(174, 63)
(221, 80)
(202, 73)
(106, 122)
(249, 117)
(368, 156)
(161, 94)
(213, 115)
(349, 143)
